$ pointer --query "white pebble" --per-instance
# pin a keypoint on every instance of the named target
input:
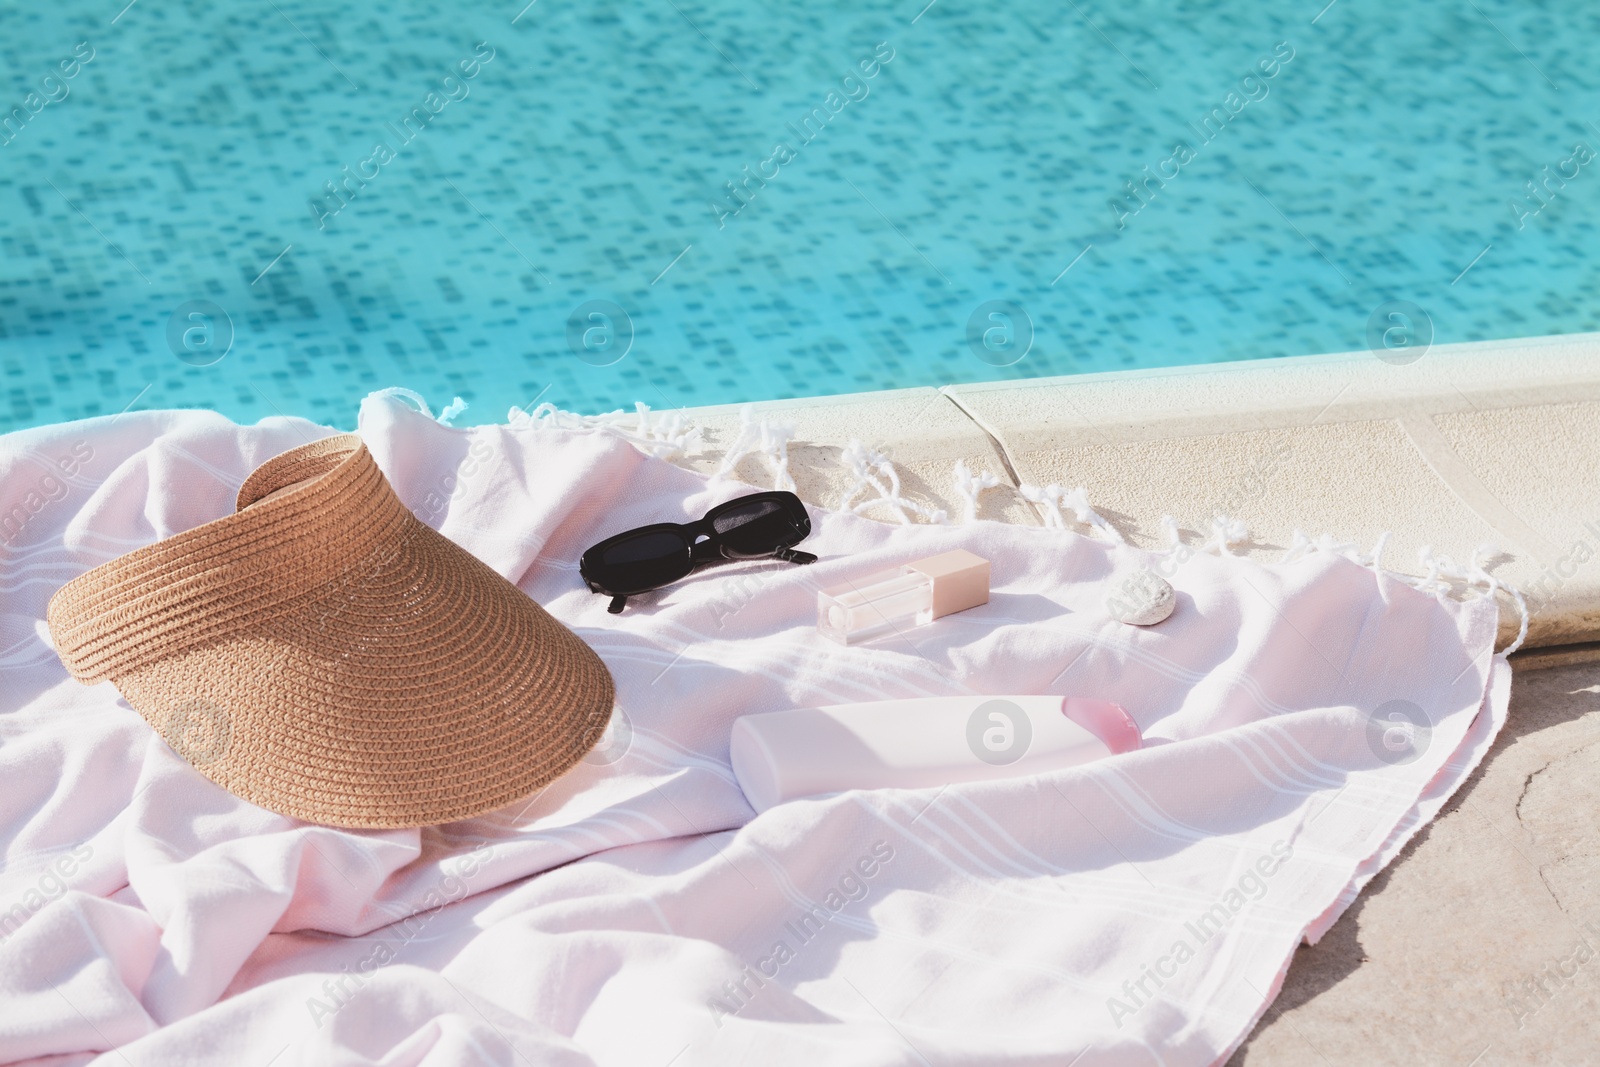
(1142, 599)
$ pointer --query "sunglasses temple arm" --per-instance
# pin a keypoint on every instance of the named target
(617, 604)
(790, 555)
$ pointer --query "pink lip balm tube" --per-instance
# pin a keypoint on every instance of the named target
(914, 744)
(895, 600)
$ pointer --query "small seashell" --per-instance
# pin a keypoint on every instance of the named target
(1143, 598)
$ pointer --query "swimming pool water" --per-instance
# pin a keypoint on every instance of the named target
(354, 195)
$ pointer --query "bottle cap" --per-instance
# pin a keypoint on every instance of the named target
(960, 580)
(1109, 722)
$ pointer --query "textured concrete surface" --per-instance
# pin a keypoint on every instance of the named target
(1470, 444)
(1480, 945)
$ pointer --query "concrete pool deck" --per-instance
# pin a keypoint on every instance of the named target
(1488, 443)
(1455, 953)
(1479, 946)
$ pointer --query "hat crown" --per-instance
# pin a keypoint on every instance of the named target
(219, 578)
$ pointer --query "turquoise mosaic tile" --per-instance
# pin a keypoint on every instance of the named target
(274, 206)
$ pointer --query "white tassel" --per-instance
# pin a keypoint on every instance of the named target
(1493, 585)
(1441, 571)
(1225, 533)
(668, 436)
(1048, 498)
(1169, 527)
(775, 445)
(1475, 578)
(969, 487)
(873, 471)
(1435, 566)
(454, 408)
(1053, 499)
(764, 438)
(1377, 552)
(402, 393)
(1300, 546)
(1078, 501)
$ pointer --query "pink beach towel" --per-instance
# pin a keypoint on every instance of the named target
(637, 913)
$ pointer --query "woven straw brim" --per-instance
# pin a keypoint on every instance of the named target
(325, 655)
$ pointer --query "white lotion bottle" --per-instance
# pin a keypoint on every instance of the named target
(914, 744)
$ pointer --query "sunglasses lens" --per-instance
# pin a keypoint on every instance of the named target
(757, 529)
(644, 562)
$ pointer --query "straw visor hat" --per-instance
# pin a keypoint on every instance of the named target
(322, 653)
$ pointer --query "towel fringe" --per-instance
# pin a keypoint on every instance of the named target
(1174, 536)
(872, 470)
(454, 408)
(1442, 571)
(1442, 575)
(1053, 499)
(1226, 533)
(760, 437)
(969, 486)
(1302, 546)
(668, 435)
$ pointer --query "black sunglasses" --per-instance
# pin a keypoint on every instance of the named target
(759, 526)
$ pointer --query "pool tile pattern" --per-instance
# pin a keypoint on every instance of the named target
(1022, 153)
